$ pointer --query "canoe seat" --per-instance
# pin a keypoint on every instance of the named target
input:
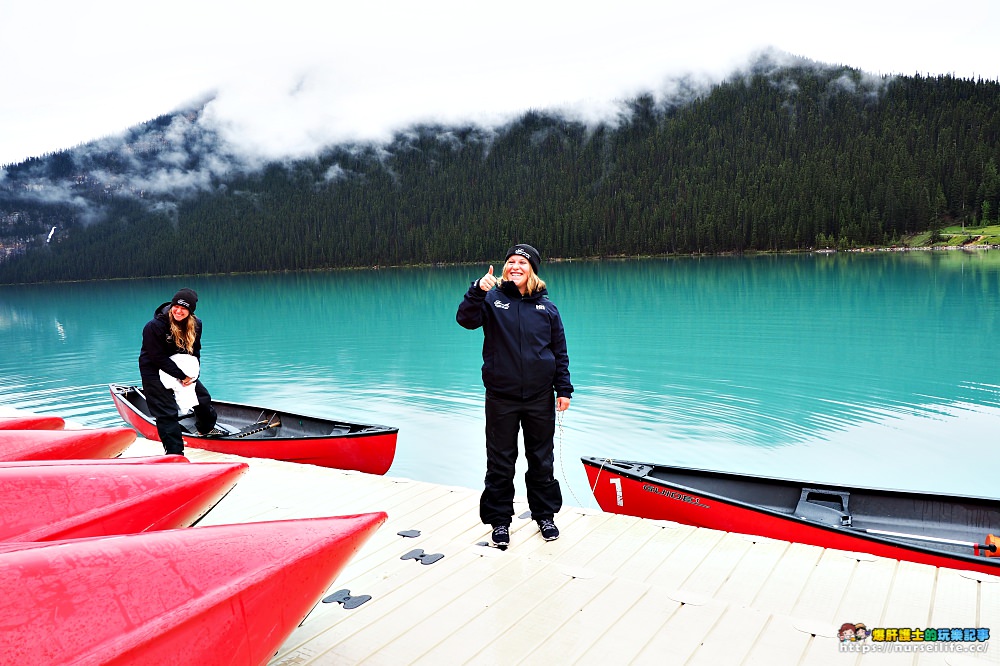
(829, 507)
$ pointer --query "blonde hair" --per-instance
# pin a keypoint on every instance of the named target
(533, 284)
(184, 337)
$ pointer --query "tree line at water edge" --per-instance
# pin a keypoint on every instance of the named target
(787, 159)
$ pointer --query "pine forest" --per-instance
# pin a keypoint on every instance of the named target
(787, 159)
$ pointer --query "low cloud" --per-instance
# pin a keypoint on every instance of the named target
(291, 116)
(290, 77)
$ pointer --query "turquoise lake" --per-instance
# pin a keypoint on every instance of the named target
(874, 369)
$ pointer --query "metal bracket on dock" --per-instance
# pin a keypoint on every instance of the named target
(422, 557)
(344, 597)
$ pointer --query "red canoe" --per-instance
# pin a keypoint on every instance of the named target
(49, 502)
(31, 422)
(64, 444)
(953, 531)
(227, 594)
(136, 460)
(258, 432)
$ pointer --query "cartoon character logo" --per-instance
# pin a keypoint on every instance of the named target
(853, 632)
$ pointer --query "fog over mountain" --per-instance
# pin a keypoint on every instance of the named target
(782, 154)
(196, 149)
(288, 76)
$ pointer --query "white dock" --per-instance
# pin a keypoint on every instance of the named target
(611, 590)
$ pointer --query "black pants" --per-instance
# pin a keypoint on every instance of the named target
(163, 408)
(537, 421)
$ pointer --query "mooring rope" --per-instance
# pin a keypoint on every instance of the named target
(597, 478)
(562, 465)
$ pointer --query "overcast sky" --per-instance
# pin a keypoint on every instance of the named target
(296, 74)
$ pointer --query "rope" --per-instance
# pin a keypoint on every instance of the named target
(597, 477)
(562, 465)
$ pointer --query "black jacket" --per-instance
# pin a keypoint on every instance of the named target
(158, 346)
(524, 345)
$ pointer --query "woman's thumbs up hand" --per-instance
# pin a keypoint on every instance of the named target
(488, 281)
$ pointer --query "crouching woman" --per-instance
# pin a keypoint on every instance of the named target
(170, 339)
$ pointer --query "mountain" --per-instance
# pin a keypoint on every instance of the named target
(775, 158)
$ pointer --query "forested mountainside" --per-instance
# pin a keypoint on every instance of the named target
(773, 159)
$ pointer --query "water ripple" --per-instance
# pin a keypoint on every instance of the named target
(847, 369)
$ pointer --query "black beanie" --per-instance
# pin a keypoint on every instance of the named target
(187, 298)
(528, 252)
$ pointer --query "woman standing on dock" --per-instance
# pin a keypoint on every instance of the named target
(526, 375)
(174, 330)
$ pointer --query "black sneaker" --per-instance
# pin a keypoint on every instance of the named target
(548, 529)
(501, 536)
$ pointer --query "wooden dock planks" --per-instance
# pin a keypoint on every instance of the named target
(612, 589)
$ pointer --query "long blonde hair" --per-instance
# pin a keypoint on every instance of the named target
(184, 337)
(533, 284)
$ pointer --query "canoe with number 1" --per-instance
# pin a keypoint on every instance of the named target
(942, 530)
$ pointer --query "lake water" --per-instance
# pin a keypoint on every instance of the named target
(870, 369)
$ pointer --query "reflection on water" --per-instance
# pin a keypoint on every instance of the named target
(849, 368)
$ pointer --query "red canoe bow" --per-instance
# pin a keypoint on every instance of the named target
(135, 460)
(226, 594)
(49, 502)
(58, 444)
(31, 422)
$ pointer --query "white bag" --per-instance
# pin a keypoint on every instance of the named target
(184, 396)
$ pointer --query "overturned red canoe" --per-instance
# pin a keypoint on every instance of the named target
(136, 460)
(64, 444)
(227, 594)
(31, 422)
(48, 502)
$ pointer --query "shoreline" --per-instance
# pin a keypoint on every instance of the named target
(555, 260)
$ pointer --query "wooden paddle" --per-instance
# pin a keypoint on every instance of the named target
(989, 548)
(273, 422)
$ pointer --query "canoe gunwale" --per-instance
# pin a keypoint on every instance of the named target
(749, 514)
(616, 464)
(363, 429)
(368, 448)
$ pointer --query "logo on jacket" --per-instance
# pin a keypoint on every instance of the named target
(500, 304)
(539, 307)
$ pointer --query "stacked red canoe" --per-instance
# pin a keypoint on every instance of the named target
(102, 567)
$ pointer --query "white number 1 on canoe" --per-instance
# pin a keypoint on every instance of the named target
(617, 483)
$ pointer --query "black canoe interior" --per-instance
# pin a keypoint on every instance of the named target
(853, 509)
(246, 422)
